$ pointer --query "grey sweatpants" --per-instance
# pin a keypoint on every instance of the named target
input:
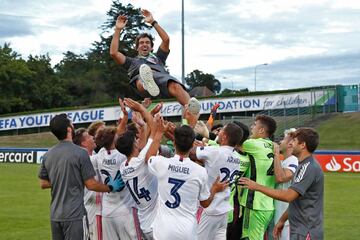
(70, 230)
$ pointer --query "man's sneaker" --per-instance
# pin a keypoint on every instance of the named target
(147, 79)
(194, 106)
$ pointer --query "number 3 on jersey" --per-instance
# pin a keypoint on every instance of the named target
(177, 185)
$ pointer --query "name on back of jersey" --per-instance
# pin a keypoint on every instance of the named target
(268, 145)
(178, 169)
(128, 171)
(109, 161)
(232, 159)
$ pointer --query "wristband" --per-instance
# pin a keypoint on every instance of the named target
(153, 23)
(110, 188)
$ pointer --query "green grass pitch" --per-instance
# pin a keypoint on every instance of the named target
(24, 212)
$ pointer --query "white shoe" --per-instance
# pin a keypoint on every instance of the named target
(194, 106)
(147, 79)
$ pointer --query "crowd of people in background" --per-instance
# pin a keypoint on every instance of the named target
(148, 178)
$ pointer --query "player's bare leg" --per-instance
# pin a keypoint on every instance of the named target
(140, 86)
(177, 91)
(183, 97)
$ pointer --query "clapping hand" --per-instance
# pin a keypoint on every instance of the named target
(133, 105)
(146, 102)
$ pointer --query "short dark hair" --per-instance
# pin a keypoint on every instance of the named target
(184, 138)
(125, 143)
(198, 136)
(144, 35)
(132, 127)
(308, 136)
(59, 124)
(105, 137)
(269, 122)
(212, 136)
(233, 133)
(245, 130)
(79, 136)
(217, 126)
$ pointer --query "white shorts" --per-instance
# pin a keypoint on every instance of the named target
(122, 227)
(212, 226)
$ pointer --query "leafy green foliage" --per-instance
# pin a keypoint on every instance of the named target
(227, 91)
(82, 79)
(198, 78)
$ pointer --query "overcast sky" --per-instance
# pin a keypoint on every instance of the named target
(305, 43)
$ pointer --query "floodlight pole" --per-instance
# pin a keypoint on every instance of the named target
(264, 64)
(182, 44)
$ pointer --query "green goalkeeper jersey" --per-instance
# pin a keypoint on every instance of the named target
(259, 169)
(244, 164)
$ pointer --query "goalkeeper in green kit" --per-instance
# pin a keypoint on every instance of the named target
(257, 209)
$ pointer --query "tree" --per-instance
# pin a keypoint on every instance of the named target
(83, 78)
(198, 78)
(44, 89)
(117, 81)
(95, 77)
(227, 91)
(13, 78)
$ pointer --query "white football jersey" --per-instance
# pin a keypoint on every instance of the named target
(114, 203)
(181, 185)
(142, 186)
(290, 163)
(92, 200)
(224, 162)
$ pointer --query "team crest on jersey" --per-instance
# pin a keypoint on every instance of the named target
(202, 148)
(301, 172)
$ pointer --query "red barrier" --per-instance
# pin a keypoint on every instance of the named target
(336, 161)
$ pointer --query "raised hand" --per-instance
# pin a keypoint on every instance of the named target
(136, 118)
(157, 108)
(148, 17)
(122, 106)
(133, 105)
(121, 22)
(191, 118)
(161, 126)
(276, 149)
(146, 102)
(170, 129)
(154, 125)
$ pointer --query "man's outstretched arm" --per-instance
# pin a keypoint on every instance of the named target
(165, 44)
(114, 47)
(285, 195)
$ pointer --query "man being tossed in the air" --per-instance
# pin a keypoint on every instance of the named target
(147, 71)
